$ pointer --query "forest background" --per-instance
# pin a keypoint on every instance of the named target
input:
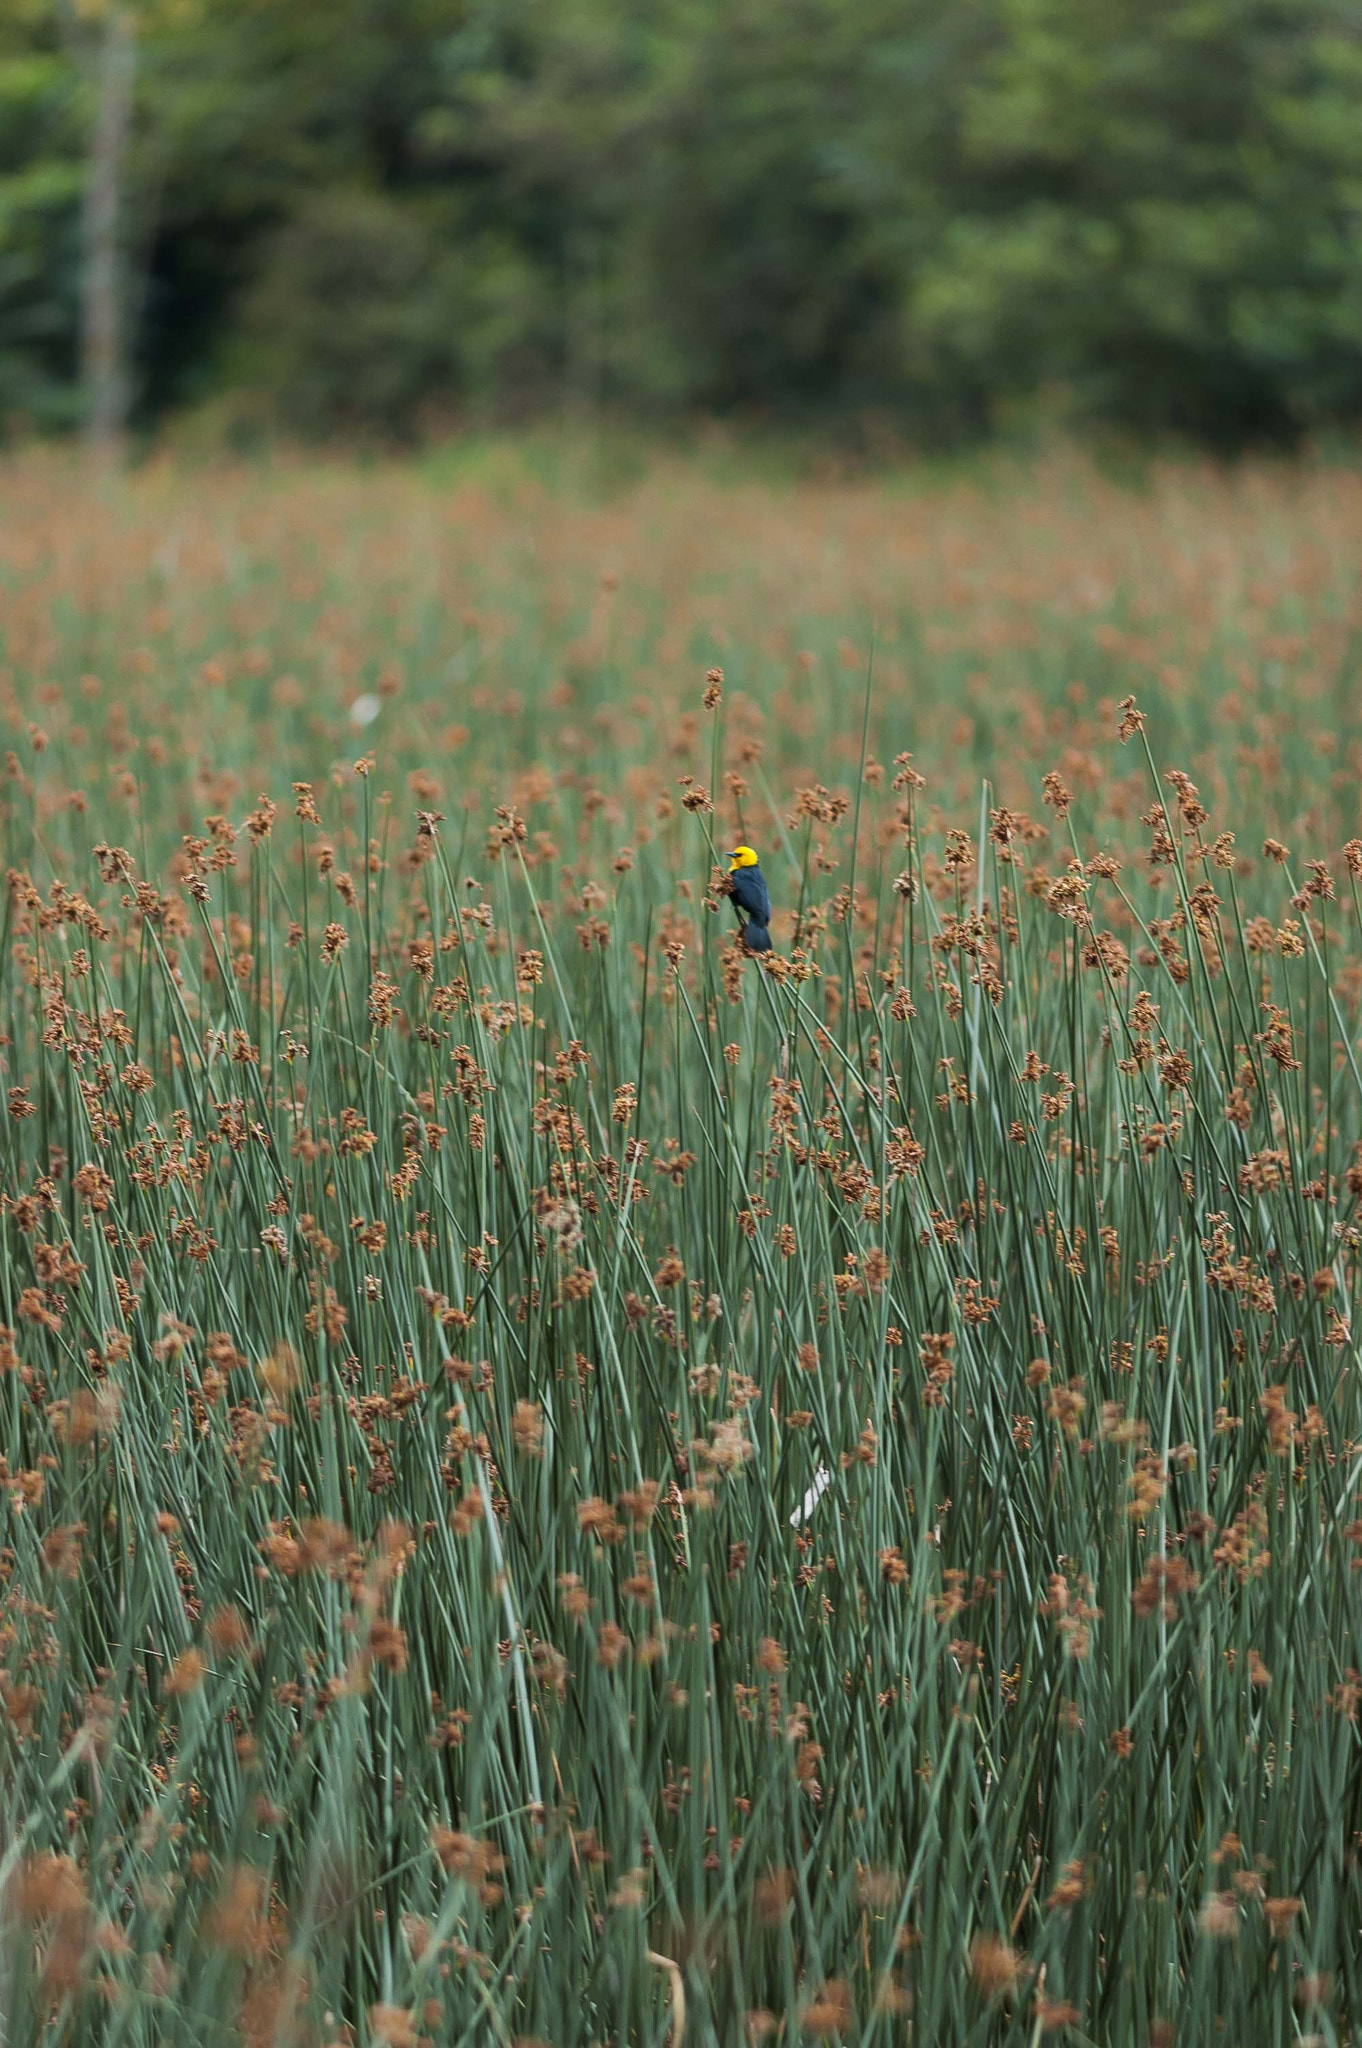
(887, 222)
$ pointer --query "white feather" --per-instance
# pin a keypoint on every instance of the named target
(822, 1480)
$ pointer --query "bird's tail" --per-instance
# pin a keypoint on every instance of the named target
(756, 937)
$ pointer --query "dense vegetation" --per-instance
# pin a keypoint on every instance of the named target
(561, 1486)
(361, 217)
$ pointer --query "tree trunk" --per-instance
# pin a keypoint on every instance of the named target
(103, 357)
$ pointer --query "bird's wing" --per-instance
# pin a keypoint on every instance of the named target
(749, 893)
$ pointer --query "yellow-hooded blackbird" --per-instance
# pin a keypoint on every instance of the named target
(752, 898)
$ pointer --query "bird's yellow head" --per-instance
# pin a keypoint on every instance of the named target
(741, 857)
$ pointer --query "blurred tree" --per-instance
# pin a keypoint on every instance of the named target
(370, 213)
(104, 323)
(40, 189)
(1166, 215)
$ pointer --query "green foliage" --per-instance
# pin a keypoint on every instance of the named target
(39, 198)
(1171, 213)
(347, 314)
(1151, 207)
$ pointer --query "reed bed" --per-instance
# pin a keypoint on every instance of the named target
(564, 1486)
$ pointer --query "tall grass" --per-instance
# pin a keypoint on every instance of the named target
(564, 1486)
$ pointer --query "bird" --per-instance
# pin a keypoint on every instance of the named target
(747, 886)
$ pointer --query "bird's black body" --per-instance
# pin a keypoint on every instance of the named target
(751, 894)
(753, 899)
